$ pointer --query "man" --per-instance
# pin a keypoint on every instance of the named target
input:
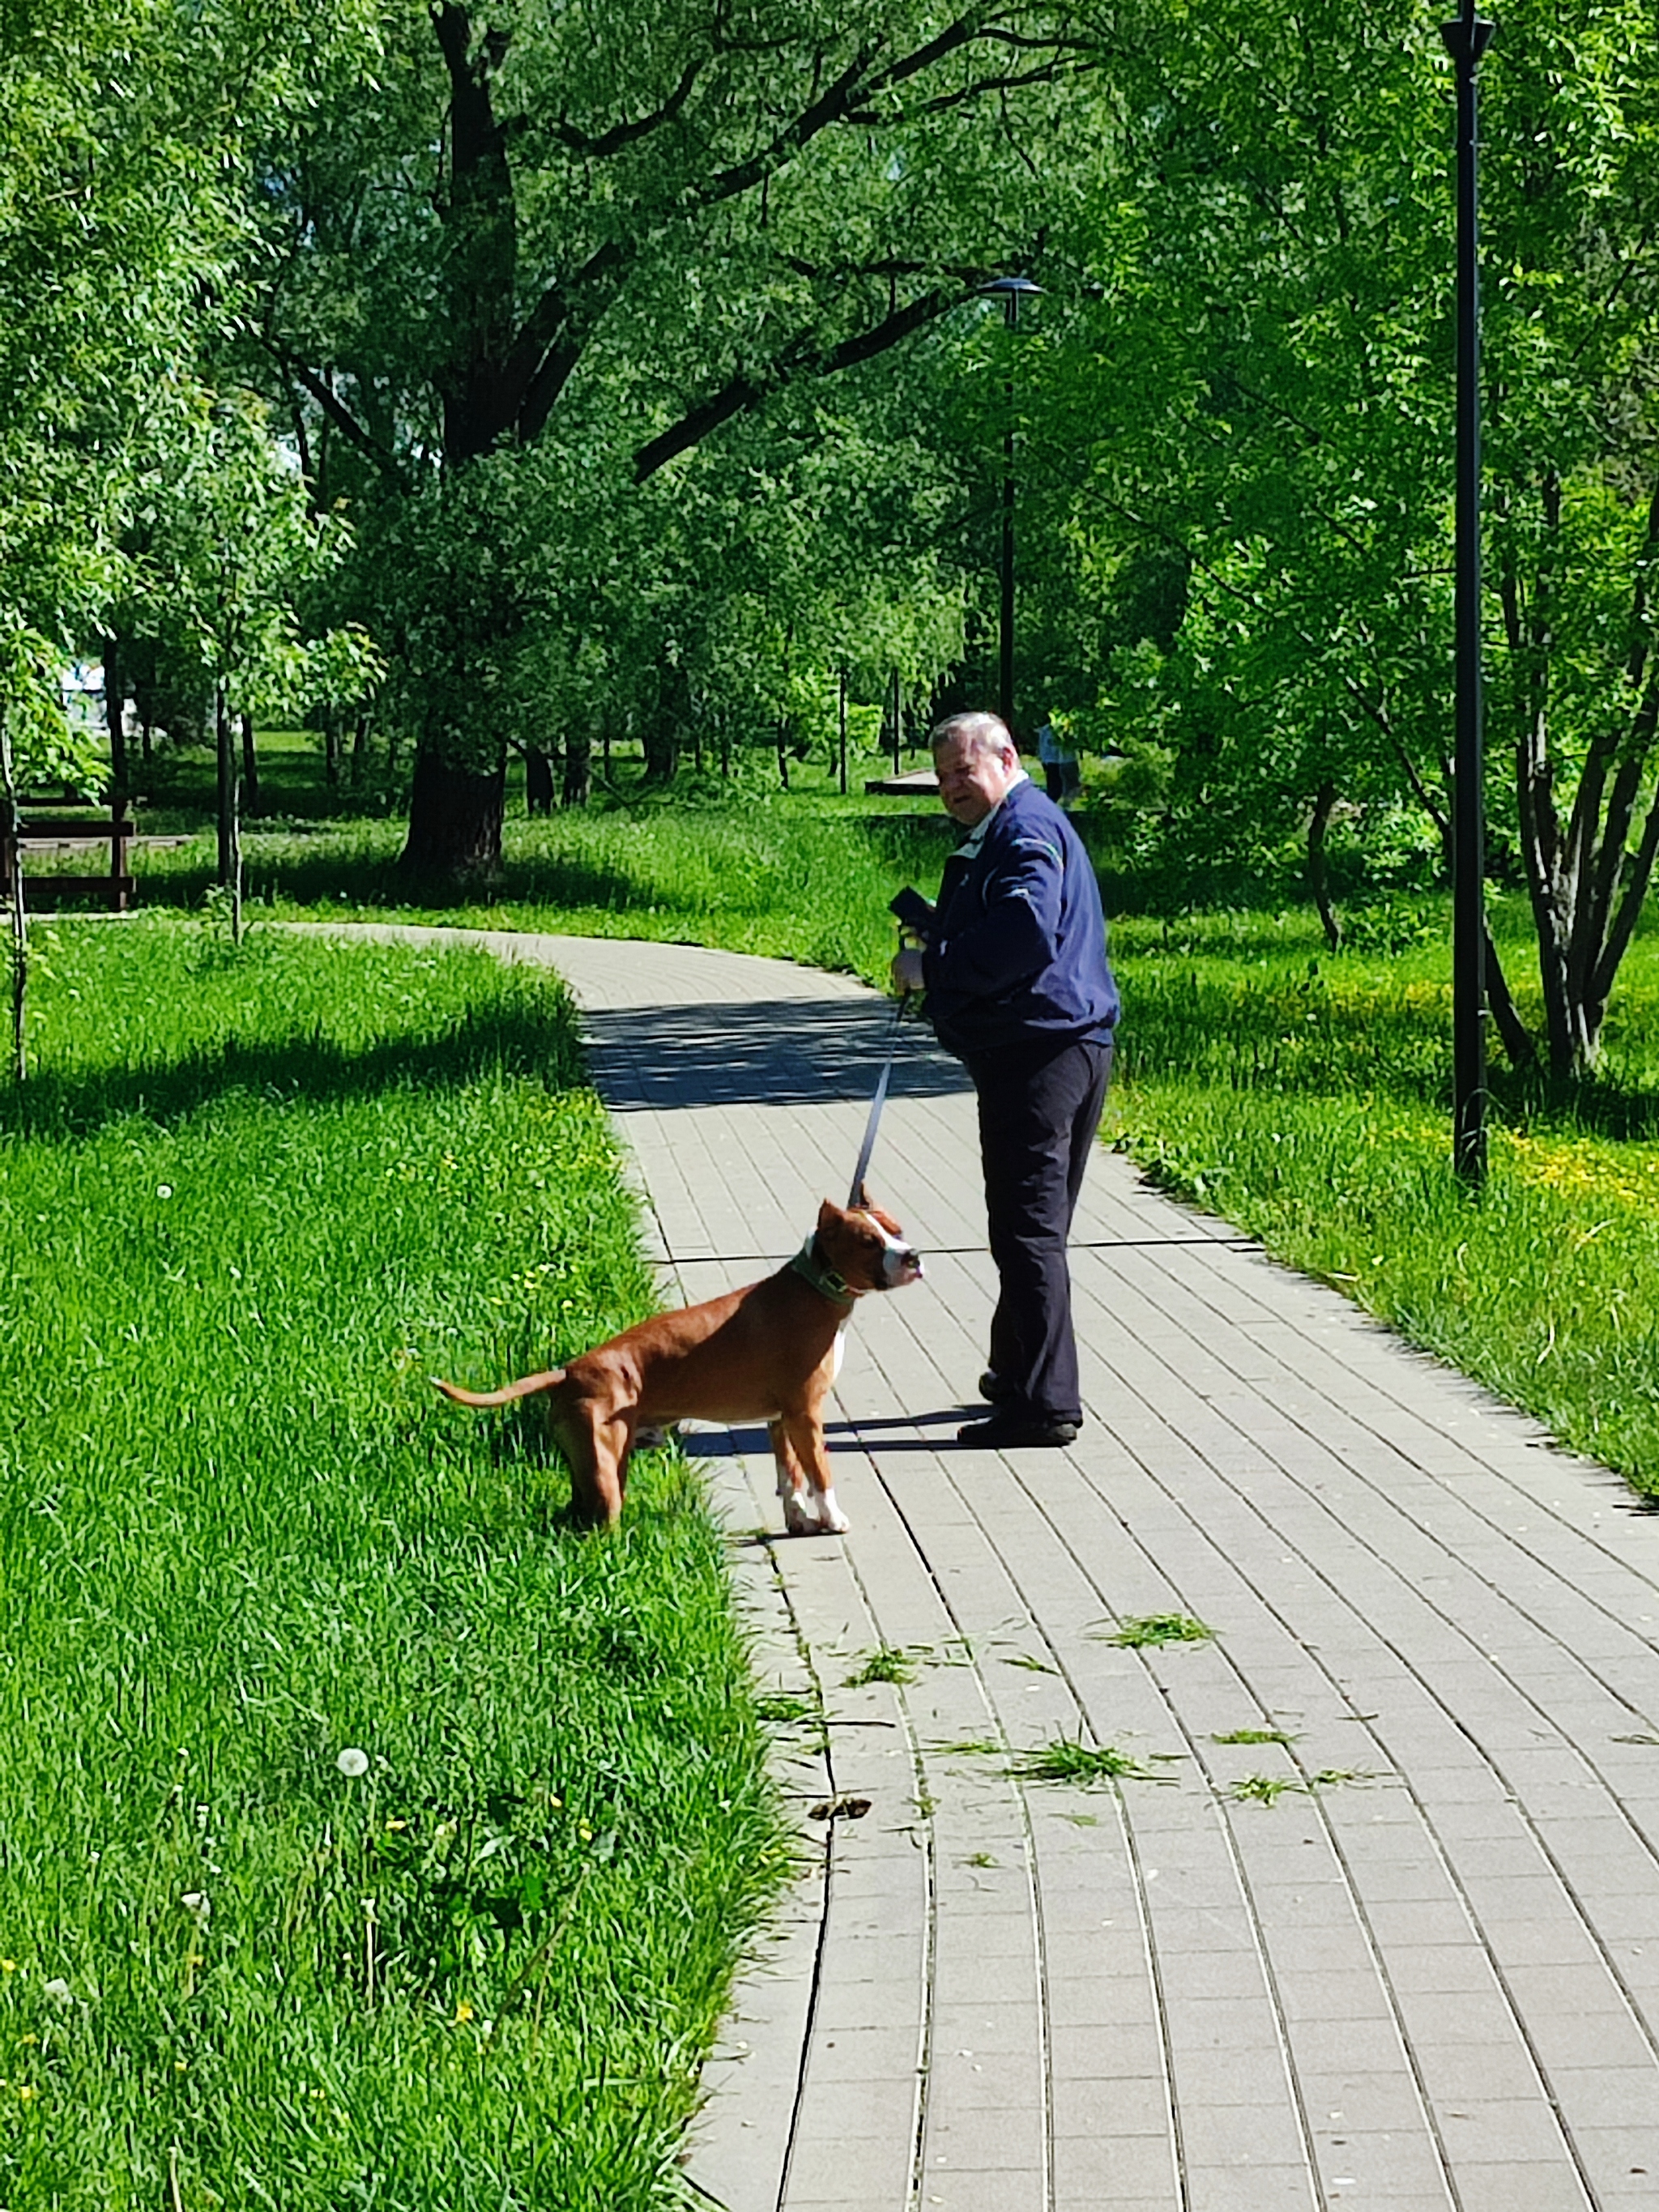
(1018, 988)
(1062, 778)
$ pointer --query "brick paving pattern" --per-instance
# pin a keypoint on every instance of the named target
(1401, 1950)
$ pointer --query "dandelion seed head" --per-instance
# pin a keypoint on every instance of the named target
(59, 1992)
(164, 1190)
(352, 1762)
(198, 1906)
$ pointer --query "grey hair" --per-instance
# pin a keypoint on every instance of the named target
(979, 734)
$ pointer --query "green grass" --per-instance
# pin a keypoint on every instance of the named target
(1066, 1759)
(1305, 1098)
(248, 1203)
(889, 1662)
(803, 876)
(1268, 1789)
(1303, 1095)
(1152, 1628)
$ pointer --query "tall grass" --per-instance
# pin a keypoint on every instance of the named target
(796, 878)
(1306, 1098)
(368, 1836)
(1306, 1095)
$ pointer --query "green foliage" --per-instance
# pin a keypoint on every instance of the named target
(385, 1834)
(223, 549)
(39, 745)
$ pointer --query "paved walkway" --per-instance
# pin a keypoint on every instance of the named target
(1373, 1917)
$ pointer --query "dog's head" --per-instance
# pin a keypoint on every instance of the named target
(866, 1247)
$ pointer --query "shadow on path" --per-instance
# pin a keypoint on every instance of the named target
(777, 1052)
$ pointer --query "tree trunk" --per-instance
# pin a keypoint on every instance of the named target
(1319, 880)
(360, 745)
(661, 742)
(115, 714)
(578, 768)
(455, 821)
(665, 726)
(538, 781)
(331, 746)
(225, 744)
(783, 751)
(250, 766)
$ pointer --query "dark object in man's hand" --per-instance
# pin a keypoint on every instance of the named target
(913, 911)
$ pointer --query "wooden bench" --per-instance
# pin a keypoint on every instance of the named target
(112, 827)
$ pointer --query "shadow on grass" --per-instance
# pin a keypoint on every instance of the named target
(299, 1067)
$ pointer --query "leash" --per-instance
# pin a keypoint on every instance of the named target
(877, 1102)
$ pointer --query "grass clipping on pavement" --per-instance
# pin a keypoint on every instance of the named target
(371, 1835)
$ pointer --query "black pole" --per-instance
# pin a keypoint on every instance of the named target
(1005, 628)
(1010, 290)
(1466, 40)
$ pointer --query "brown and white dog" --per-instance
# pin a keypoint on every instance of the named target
(771, 1353)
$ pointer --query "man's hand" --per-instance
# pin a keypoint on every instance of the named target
(906, 972)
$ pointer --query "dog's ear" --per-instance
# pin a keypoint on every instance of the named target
(828, 1211)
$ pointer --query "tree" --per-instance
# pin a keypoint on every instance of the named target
(637, 227)
(1264, 392)
(92, 213)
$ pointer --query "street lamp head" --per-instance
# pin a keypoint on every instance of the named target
(1011, 290)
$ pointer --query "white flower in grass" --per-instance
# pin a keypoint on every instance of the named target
(164, 1190)
(352, 1762)
(199, 1907)
(59, 1992)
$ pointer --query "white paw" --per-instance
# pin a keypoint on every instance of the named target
(831, 1520)
(796, 1518)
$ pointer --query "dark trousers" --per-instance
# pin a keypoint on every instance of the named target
(1037, 1119)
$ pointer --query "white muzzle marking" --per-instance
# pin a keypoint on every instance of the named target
(901, 1263)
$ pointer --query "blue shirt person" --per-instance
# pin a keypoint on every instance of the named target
(1019, 988)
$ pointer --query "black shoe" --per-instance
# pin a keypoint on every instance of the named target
(1017, 1429)
(993, 1389)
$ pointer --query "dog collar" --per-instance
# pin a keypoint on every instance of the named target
(824, 1278)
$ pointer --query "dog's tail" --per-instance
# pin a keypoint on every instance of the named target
(528, 1386)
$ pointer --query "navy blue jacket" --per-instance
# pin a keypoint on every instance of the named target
(1016, 953)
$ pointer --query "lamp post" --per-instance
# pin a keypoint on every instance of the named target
(1466, 40)
(1011, 290)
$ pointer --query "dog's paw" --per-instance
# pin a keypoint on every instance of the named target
(832, 1522)
(797, 1521)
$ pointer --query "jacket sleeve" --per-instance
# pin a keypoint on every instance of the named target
(1008, 937)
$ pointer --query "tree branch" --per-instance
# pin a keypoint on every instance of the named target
(799, 360)
(337, 413)
(600, 148)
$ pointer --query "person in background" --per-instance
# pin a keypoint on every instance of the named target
(1019, 988)
(1062, 778)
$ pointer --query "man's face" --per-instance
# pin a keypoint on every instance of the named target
(971, 782)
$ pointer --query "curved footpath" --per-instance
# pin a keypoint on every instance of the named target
(1401, 1950)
